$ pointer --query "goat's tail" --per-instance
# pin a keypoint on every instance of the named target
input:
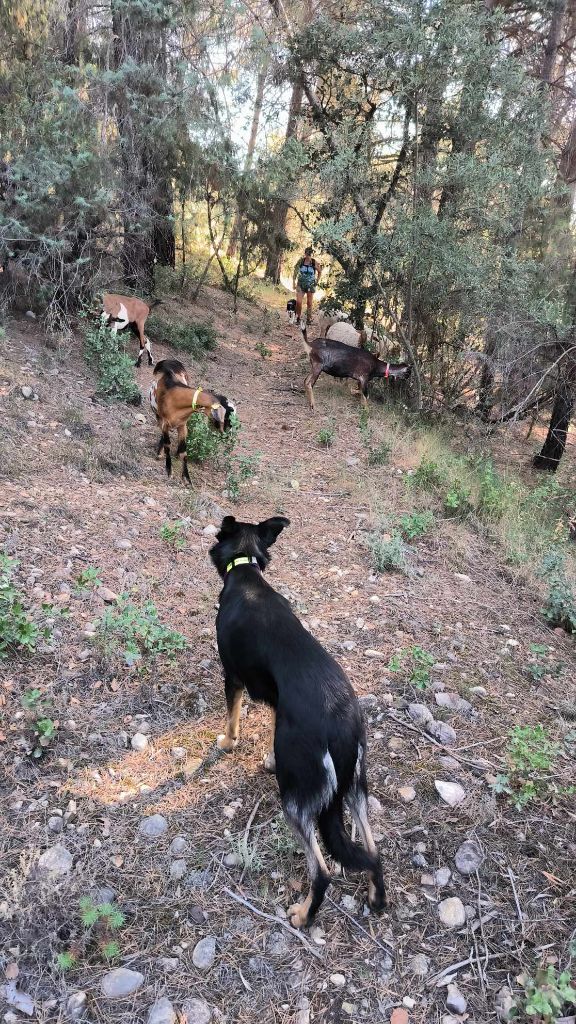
(305, 342)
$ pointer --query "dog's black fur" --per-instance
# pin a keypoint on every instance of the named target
(319, 739)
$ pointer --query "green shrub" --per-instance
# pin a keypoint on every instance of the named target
(530, 755)
(549, 995)
(99, 923)
(428, 475)
(263, 350)
(560, 606)
(194, 338)
(205, 444)
(132, 630)
(240, 470)
(378, 452)
(388, 553)
(325, 435)
(419, 664)
(173, 534)
(18, 631)
(495, 495)
(457, 499)
(113, 367)
(416, 524)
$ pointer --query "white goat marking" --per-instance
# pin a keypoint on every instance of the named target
(152, 396)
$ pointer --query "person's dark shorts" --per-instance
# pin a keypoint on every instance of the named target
(304, 284)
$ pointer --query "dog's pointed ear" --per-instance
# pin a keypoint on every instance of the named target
(270, 528)
(228, 527)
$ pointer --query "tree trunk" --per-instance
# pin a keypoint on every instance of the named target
(552, 41)
(260, 83)
(555, 443)
(280, 211)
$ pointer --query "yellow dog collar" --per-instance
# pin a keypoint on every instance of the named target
(241, 560)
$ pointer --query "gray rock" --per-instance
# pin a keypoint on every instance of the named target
(27, 392)
(30, 314)
(468, 857)
(450, 763)
(277, 943)
(454, 702)
(232, 860)
(104, 894)
(374, 805)
(210, 530)
(55, 862)
(123, 544)
(178, 753)
(107, 595)
(338, 980)
(162, 1012)
(419, 965)
(196, 1011)
(169, 963)
(420, 714)
(121, 982)
(178, 869)
(204, 953)
(479, 691)
(55, 823)
(139, 742)
(179, 845)
(504, 1002)
(452, 793)
(407, 794)
(153, 827)
(445, 734)
(451, 912)
(76, 1004)
(455, 1001)
(442, 876)
(200, 879)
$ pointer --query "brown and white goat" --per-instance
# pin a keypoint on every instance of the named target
(173, 402)
(343, 361)
(126, 310)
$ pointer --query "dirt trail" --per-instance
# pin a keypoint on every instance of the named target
(82, 489)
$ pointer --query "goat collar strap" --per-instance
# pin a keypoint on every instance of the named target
(195, 398)
(387, 374)
(241, 560)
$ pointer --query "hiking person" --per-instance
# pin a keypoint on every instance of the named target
(304, 279)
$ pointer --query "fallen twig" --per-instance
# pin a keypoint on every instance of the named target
(516, 900)
(357, 925)
(425, 736)
(464, 963)
(247, 831)
(275, 920)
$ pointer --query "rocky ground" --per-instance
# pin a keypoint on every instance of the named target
(131, 809)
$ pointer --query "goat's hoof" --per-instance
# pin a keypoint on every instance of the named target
(297, 915)
(376, 898)
(270, 762)
(224, 743)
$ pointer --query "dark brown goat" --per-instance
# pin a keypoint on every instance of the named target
(340, 360)
(173, 402)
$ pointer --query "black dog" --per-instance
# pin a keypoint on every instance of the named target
(319, 736)
(291, 311)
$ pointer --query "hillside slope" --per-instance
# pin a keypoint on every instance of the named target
(81, 490)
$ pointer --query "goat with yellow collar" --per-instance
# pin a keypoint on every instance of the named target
(174, 401)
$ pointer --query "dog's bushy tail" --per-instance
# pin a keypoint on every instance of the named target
(338, 842)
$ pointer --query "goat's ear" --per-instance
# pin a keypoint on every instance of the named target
(228, 527)
(270, 528)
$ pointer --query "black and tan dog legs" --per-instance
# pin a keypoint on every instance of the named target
(234, 693)
(358, 807)
(301, 914)
(270, 759)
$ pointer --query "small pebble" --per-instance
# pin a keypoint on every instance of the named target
(204, 953)
(451, 912)
(179, 845)
(338, 980)
(162, 1012)
(121, 982)
(178, 869)
(153, 826)
(124, 544)
(455, 1001)
(407, 794)
(452, 793)
(468, 857)
(196, 1011)
(139, 742)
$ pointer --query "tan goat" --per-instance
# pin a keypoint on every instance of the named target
(123, 310)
